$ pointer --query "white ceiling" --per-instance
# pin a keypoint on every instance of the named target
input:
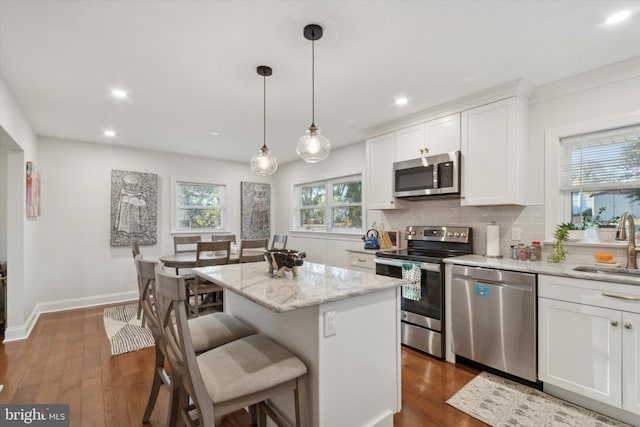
(190, 65)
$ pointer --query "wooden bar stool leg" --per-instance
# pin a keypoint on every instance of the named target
(155, 387)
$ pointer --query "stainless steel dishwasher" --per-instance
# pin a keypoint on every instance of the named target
(494, 319)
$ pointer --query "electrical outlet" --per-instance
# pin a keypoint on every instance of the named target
(516, 233)
(330, 323)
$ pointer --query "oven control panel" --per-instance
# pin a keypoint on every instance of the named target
(439, 233)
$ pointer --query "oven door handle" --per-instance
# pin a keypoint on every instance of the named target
(398, 263)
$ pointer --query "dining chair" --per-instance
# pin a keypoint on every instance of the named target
(242, 373)
(135, 251)
(221, 237)
(182, 244)
(207, 295)
(206, 332)
(135, 248)
(279, 241)
(249, 250)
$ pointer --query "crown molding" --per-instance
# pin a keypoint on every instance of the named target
(518, 87)
(612, 73)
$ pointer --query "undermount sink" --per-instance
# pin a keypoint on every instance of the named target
(609, 270)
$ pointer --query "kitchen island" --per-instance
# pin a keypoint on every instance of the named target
(343, 324)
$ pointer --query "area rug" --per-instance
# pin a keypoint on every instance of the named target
(500, 402)
(124, 329)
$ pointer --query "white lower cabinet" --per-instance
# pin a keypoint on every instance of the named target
(362, 261)
(589, 339)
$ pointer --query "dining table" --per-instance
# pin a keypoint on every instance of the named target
(188, 259)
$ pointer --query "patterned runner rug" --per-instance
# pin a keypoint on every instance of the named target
(501, 402)
(124, 330)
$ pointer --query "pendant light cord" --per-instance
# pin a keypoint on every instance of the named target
(264, 112)
(313, 83)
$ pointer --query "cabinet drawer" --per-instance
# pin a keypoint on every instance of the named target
(362, 261)
(616, 296)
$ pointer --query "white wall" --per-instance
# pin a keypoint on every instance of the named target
(3, 197)
(20, 141)
(322, 248)
(78, 265)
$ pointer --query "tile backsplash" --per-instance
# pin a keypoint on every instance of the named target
(529, 219)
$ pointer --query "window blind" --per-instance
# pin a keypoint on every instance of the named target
(601, 160)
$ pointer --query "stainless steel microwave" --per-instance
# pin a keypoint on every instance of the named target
(437, 175)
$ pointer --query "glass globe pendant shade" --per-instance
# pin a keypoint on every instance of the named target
(313, 147)
(263, 162)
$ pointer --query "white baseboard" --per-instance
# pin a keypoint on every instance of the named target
(15, 333)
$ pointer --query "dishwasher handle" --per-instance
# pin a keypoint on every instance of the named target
(507, 285)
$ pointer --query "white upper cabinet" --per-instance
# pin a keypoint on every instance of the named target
(496, 166)
(379, 173)
(433, 137)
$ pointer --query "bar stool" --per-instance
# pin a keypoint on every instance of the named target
(206, 332)
(242, 373)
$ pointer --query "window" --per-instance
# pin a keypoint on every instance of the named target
(199, 206)
(600, 173)
(332, 205)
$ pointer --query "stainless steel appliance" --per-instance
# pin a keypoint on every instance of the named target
(429, 176)
(494, 319)
(423, 316)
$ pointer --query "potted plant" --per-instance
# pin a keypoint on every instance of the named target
(606, 229)
(575, 232)
(561, 233)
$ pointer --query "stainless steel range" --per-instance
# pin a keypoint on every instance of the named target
(423, 311)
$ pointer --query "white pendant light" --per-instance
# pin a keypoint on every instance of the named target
(263, 162)
(313, 147)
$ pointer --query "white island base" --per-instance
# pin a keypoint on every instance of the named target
(354, 375)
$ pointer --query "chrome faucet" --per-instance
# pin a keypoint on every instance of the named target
(632, 251)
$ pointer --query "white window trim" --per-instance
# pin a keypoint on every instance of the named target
(293, 227)
(225, 212)
(556, 203)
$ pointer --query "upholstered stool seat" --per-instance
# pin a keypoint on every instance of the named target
(245, 366)
(216, 329)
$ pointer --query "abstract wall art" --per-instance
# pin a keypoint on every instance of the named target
(134, 208)
(33, 191)
(255, 210)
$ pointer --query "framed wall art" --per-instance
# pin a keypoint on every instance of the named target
(255, 210)
(134, 208)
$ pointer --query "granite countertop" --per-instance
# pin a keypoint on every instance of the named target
(563, 269)
(314, 285)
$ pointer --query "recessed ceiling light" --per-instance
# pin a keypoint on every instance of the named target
(618, 17)
(119, 93)
(109, 133)
(214, 133)
(401, 101)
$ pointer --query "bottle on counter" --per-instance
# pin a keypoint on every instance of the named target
(536, 251)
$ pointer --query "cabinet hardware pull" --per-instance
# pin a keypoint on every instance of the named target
(362, 260)
(626, 297)
(614, 323)
(627, 325)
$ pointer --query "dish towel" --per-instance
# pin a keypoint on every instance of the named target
(411, 276)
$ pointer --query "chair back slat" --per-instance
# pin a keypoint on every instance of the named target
(222, 237)
(209, 253)
(248, 248)
(279, 241)
(135, 248)
(183, 244)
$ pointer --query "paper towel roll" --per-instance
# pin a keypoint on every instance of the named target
(493, 240)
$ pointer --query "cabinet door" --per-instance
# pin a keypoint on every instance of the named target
(443, 135)
(410, 143)
(488, 144)
(580, 349)
(379, 173)
(631, 362)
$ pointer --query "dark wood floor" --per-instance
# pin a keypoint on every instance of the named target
(67, 359)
